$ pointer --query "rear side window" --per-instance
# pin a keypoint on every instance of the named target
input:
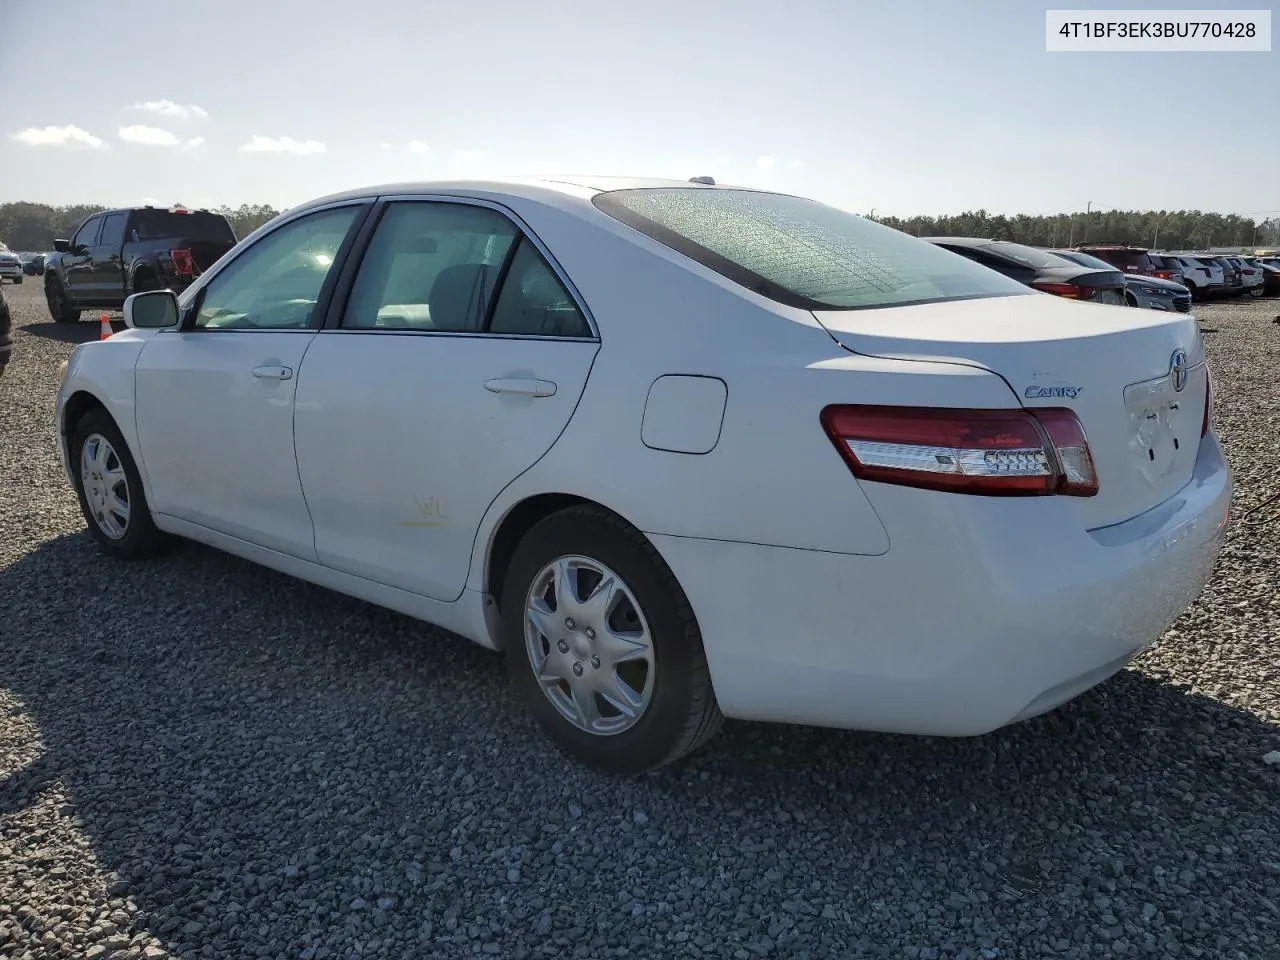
(800, 252)
(113, 230)
(441, 267)
(167, 225)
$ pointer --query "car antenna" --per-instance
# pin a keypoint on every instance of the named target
(707, 181)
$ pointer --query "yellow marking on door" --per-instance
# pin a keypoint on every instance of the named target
(429, 514)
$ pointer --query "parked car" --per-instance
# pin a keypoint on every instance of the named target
(1131, 259)
(1040, 269)
(6, 333)
(1233, 279)
(32, 264)
(1270, 279)
(120, 252)
(529, 412)
(1139, 290)
(10, 265)
(1166, 268)
(1203, 278)
(1250, 275)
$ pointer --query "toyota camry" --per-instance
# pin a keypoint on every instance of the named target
(681, 451)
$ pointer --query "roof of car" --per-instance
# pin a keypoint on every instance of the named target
(545, 188)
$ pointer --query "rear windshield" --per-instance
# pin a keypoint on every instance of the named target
(167, 225)
(1075, 256)
(800, 252)
(1027, 256)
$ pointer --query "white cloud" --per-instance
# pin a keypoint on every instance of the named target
(148, 136)
(722, 161)
(385, 146)
(765, 163)
(150, 202)
(795, 164)
(195, 141)
(417, 146)
(302, 148)
(68, 136)
(167, 108)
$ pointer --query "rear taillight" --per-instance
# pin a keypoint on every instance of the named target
(1207, 422)
(183, 264)
(1070, 290)
(986, 452)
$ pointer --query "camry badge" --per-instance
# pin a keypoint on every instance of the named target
(1178, 369)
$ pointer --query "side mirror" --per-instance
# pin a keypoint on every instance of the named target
(62, 246)
(152, 310)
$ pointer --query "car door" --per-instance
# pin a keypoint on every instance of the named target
(77, 264)
(457, 361)
(106, 271)
(215, 397)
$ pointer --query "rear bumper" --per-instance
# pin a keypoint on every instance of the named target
(992, 615)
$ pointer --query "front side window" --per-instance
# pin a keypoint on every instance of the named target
(800, 252)
(275, 284)
(87, 235)
(430, 266)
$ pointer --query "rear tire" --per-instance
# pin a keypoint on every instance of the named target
(626, 684)
(17, 280)
(144, 282)
(1255, 291)
(59, 307)
(110, 490)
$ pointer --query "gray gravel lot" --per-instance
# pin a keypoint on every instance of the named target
(201, 758)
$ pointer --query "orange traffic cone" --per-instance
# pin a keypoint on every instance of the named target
(104, 328)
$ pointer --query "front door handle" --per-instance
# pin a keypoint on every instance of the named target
(273, 371)
(525, 386)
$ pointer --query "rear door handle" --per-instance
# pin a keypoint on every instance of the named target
(273, 371)
(525, 386)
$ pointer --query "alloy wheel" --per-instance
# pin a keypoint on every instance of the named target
(106, 488)
(590, 645)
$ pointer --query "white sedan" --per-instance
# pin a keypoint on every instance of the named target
(681, 451)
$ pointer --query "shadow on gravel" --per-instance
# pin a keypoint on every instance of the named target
(269, 768)
(82, 332)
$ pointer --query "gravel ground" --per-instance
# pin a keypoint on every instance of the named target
(201, 758)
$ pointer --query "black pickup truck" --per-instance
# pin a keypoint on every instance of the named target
(120, 252)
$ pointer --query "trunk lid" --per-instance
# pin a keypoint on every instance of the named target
(1110, 365)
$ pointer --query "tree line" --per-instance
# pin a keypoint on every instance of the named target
(33, 226)
(1163, 229)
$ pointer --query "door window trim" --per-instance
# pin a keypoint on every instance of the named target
(194, 294)
(337, 304)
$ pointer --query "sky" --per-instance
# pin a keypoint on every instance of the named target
(897, 106)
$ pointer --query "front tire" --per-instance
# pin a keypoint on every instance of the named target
(1255, 291)
(603, 646)
(60, 308)
(110, 490)
(17, 280)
